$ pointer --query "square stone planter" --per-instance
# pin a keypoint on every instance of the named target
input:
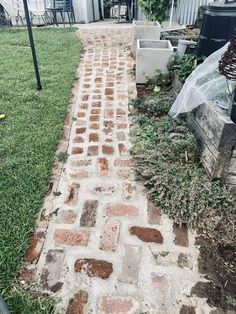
(151, 55)
(144, 30)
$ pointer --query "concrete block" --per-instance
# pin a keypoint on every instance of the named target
(144, 30)
(151, 55)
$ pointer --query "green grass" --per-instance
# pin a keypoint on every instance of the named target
(29, 134)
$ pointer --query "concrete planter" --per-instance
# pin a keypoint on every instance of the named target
(151, 55)
(144, 30)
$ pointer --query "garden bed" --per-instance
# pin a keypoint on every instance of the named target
(167, 161)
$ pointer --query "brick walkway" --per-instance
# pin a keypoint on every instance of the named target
(104, 247)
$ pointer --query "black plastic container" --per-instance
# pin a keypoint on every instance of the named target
(218, 27)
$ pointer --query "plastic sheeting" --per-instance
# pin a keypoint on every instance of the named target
(205, 85)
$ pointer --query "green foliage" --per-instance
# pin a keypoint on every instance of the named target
(30, 133)
(166, 158)
(155, 10)
(184, 65)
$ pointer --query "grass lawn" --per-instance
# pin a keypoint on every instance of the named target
(28, 139)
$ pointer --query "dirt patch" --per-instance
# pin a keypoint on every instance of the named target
(217, 261)
(144, 91)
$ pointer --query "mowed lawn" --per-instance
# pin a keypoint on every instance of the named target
(29, 136)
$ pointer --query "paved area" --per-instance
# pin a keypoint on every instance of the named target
(100, 245)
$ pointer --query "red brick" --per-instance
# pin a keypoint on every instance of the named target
(94, 118)
(103, 166)
(122, 148)
(35, 246)
(108, 304)
(77, 150)
(93, 150)
(81, 173)
(80, 130)
(108, 150)
(154, 214)
(96, 104)
(109, 91)
(52, 271)
(78, 139)
(124, 162)
(72, 194)
(122, 125)
(68, 217)
(71, 237)
(123, 173)
(80, 114)
(181, 236)
(108, 123)
(93, 137)
(94, 268)
(120, 112)
(77, 303)
(85, 97)
(108, 113)
(95, 111)
(98, 80)
(110, 235)
(89, 213)
(147, 234)
(94, 126)
(84, 106)
(122, 210)
(81, 122)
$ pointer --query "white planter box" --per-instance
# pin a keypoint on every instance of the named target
(151, 55)
(144, 30)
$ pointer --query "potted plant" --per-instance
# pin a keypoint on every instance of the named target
(107, 8)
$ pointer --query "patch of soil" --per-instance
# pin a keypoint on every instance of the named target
(217, 261)
(144, 91)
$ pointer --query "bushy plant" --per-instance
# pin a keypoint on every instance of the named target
(155, 10)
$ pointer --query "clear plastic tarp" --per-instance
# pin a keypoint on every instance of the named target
(205, 85)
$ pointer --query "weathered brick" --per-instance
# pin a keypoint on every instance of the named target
(103, 166)
(122, 149)
(85, 97)
(52, 270)
(124, 162)
(94, 268)
(68, 217)
(161, 291)
(93, 150)
(147, 234)
(81, 122)
(78, 139)
(72, 196)
(154, 214)
(77, 303)
(130, 264)
(94, 118)
(120, 112)
(80, 114)
(80, 174)
(71, 237)
(122, 210)
(35, 246)
(94, 126)
(123, 173)
(89, 213)
(95, 111)
(181, 236)
(80, 130)
(96, 104)
(77, 150)
(108, 150)
(108, 113)
(105, 189)
(81, 162)
(110, 235)
(93, 137)
(129, 190)
(109, 304)
(120, 136)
